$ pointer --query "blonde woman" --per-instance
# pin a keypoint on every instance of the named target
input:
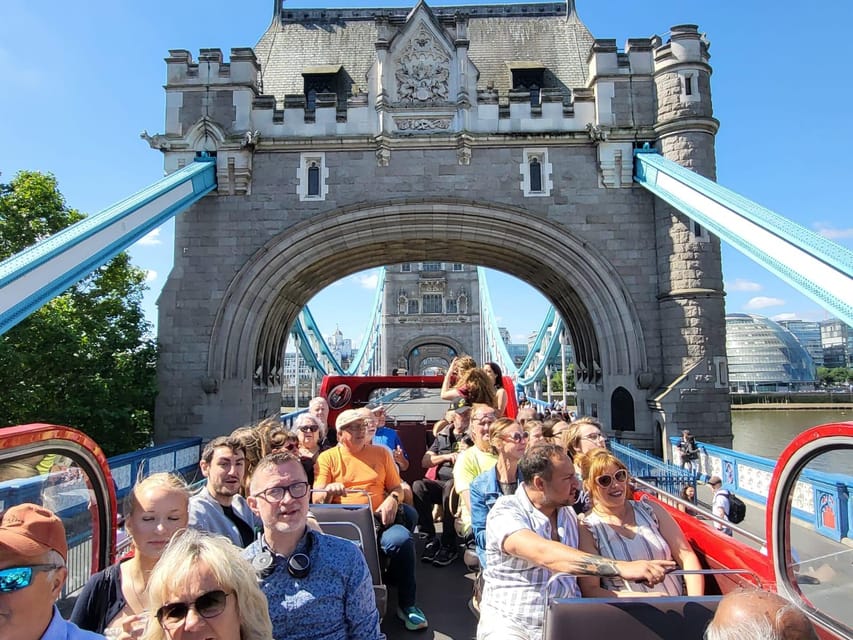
(204, 588)
(114, 602)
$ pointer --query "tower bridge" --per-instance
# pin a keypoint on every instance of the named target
(499, 135)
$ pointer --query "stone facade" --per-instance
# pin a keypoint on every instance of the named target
(430, 314)
(499, 135)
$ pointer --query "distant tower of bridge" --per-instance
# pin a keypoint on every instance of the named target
(430, 314)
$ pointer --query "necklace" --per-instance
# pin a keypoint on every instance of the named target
(141, 603)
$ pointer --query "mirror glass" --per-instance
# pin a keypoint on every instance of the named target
(818, 552)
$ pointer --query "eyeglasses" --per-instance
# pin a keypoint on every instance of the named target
(276, 494)
(207, 605)
(516, 437)
(595, 437)
(605, 480)
(355, 428)
(312, 428)
(17, 578)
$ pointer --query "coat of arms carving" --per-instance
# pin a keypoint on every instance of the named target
(423, 71)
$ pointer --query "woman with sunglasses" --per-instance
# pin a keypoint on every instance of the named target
(621, 528)
(114, 601)
(204, 588)
(308, 430)
(508, 441)
(582, 436)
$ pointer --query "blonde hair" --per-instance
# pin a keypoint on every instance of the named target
(161, 480)
(594, 463)
(194, 552)
(496, 430)
(572, 436)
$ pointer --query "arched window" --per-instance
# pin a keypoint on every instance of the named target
(535, 175)
(413, 307)
(313, 179)
(622, 410)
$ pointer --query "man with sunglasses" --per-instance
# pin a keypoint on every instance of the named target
(33, 553)
(533, 535)
(317, 586)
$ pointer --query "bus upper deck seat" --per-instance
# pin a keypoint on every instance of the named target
(355, 522)
(665, 618)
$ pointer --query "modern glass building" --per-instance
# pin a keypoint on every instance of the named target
(808, 333)
(764, 357)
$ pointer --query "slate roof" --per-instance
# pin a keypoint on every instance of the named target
(498, 34)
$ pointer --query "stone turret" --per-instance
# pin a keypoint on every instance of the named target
(689, 266)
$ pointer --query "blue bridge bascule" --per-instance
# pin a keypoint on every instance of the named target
(816, 267)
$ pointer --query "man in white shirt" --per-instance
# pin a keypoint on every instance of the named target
(721, 505)
(532, 535)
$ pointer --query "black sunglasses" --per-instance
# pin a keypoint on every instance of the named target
(605, 479)
(207, 605)
(307, 428)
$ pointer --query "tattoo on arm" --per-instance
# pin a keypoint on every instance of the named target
(596, 566)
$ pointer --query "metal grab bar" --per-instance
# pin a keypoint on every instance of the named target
(705, 572)
(675, 572)
(705, 514)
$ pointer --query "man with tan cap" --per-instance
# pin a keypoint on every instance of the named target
(356, 464)
(33, 553)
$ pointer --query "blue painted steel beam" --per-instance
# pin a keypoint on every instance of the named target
(813, 265)
(41, 272)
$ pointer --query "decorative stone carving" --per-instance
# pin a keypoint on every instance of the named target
(251, 139)
(402, 304)
(422, 124)
(595, 132)
(423, 71)
(432, 286)
(159, 141)
(462, 303)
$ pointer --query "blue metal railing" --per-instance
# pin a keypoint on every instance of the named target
(655, 471)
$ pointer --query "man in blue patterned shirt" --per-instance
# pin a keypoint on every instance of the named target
(318, 586)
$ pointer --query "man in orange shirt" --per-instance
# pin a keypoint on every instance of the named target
(355, 464)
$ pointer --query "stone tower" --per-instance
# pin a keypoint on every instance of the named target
(502, 135)
(689, 265)
(430, 314)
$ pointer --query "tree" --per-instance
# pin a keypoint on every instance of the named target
(557, 380)
(86, 358)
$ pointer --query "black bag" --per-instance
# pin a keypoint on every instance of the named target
(737, 509)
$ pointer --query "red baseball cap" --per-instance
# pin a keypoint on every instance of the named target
(30, 530)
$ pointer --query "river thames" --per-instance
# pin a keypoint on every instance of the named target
(767, 432)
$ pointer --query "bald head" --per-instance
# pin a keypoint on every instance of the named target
(758, 615)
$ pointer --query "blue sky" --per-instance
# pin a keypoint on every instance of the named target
(82, 80)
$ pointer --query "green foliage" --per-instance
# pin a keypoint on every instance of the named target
(557, 380)
(830, 377)
(85, 359)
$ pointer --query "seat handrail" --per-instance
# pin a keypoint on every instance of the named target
(665, 496)
(676, 572)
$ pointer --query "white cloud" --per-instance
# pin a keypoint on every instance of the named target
(151, 239)
(830, 232)
(785, 316)
(150, 275)
(763, 302)
(743, 285)
(367, 280)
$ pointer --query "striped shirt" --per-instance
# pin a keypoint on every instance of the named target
(647, 544)
(515, 588)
